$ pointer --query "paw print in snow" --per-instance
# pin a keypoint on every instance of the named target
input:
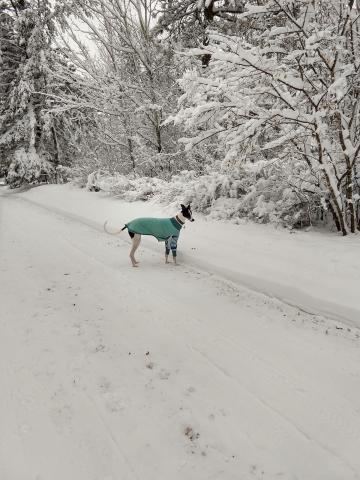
(164, 374)
(190, 433)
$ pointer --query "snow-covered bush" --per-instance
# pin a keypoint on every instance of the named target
(128, 188)
(28, 167)
(232, 194)
(62, 174)
(203, 191)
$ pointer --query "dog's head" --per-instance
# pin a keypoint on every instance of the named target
(186, 211)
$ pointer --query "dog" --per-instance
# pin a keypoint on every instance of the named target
(163, 229)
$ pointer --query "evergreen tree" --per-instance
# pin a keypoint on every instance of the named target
(11, 54)
(32, 136)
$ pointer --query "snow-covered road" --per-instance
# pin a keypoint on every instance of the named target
(160, 373)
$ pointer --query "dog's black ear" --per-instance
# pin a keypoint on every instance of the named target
(188, 206)
(182, 206)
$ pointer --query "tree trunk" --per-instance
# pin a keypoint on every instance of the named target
(56, 146)
(334, 198)
(131, 154)
(334, 215)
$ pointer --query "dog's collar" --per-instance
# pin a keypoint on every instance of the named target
(179, 221)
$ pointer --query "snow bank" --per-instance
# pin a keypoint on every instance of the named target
(318, 272)
(221, 195)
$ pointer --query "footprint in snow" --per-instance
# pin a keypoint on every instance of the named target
(114, 403)
(190, 433)
(62, 415)
(189, 391)
(164, 374)
(104, 385)
(193, 447)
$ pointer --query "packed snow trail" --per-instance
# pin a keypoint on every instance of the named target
(114, 373)
(318, 272)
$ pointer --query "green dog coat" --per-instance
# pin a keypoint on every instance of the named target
(160, 228)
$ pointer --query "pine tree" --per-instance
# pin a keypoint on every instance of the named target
(11, 54)
(31, 135)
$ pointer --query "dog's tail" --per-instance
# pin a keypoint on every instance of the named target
(113, 233)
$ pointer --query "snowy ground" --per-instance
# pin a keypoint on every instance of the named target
(114, 373)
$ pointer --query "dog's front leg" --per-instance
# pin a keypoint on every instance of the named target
(173, 246)
(174, 258)
(167, 250)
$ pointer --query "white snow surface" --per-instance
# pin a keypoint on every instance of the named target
(109, 372)
(316, 271)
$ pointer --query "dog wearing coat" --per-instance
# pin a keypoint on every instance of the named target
(163, 229)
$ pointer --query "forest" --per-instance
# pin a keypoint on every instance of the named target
(246, 109)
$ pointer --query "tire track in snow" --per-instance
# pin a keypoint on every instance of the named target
(113, 438)
(277, 413)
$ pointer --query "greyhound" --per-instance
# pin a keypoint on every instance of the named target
(164, 229)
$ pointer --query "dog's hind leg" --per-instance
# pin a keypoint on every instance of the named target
(135, 244)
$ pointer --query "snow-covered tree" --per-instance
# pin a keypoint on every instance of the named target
(287, 93)
(131, 84)
(11, 53)
(179, 17)
(34, 143)
(186, 21)
(20, 123)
